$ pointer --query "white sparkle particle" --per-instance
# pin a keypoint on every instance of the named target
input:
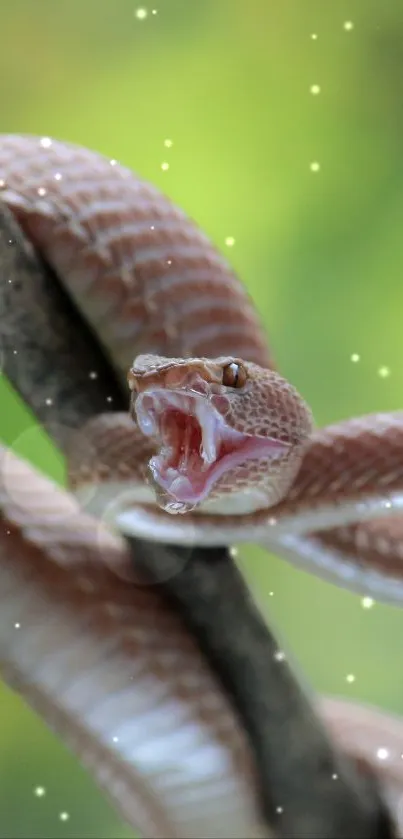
(17, 625)
(335, 776)
(2, 183)
(39, 792)
(115, 739)
(229, 241)
(382, 753)
(279, 655)
(58, 176)
(314, 89)
(279, 810)
(350, 678)
(141, 13)
(233, 552)
(271, 593)
(314, 166)
(109, 398)
(152, 227)
(314, 36)
(168, 143)
(154, 12)
(348, 25)
(48, 401)
(41, 191)
(164, 166)
(45, 142)
(169, 261)
(272, 521)
(113, 162)
(93, 374)
(355, 357)
(367, 602)
(384, 372)
(64, 817)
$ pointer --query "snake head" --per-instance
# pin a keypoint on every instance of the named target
(229, 434)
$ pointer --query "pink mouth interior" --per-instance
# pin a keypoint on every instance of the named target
(196, 446)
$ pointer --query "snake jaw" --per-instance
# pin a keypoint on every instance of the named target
(197, 446)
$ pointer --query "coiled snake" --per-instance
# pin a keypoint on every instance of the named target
(214, 435)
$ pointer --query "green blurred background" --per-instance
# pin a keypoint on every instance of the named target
(310, 186)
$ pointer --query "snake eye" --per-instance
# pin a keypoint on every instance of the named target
(234, 375)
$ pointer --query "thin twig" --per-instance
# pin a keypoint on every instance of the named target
(306, 789)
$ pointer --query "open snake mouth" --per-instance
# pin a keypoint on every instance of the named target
(197, 446)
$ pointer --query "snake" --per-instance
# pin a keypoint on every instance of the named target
(216, 447)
